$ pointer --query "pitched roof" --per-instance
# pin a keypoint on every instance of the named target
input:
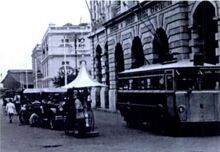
(20, 76)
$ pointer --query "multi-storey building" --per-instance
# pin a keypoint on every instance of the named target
(61, 48)
(128, 35)
(102, 11)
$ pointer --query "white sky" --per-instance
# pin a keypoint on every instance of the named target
(24, 22)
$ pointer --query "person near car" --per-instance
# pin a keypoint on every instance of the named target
(17, 101)
(79, 107)
(70, 110)
(10, 108)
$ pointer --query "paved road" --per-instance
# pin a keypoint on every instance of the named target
(114, 137)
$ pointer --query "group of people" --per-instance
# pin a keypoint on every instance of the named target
(75, 102)
(76, 107)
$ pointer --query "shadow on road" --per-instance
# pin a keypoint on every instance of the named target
(195, 130)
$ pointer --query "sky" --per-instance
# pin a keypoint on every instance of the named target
(24, 22)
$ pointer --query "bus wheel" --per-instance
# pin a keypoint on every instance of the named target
(173, 128)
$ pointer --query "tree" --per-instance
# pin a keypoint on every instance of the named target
(58, 81)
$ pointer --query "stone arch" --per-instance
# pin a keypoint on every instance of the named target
(206, 27)
(106, 63)
(137, 53)
(98, 74)
(197, 3)
(98, 63)
(161, 46)
(119, 58)
(107, 80)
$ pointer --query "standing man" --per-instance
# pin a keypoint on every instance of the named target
(17, 101)
(70, 111)
(10, 108)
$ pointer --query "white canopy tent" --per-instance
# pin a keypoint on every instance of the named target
(83, 80)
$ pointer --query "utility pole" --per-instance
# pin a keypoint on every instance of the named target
(75, 45)
(26, 79)
(35, 62)
(64, 53)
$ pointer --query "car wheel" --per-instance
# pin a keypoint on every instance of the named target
(34, 120)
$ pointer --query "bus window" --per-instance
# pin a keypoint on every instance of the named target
(210, 79)
(130, 84)
(205, 79)
(135, 84)
(217, 86)
(123, 85)
(143, 84)
(161, 83)
(186, 80)
(148, 83)
(169, 82)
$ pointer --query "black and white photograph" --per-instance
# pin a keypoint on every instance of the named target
(110, 76)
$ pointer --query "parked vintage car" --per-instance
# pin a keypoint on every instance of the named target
(28, 97)
(43, 107)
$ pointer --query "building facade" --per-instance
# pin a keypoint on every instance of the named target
(61, 48)
(149, 32)
(18, 79)
(37, 56)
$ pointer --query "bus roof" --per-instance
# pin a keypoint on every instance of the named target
(175, 65)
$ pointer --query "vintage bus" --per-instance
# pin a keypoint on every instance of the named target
(172, 93)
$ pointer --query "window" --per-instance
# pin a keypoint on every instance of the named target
(206, 79)
(161, 46)
(137, 53)
(155, 82)
(67, 63)
(66, 40)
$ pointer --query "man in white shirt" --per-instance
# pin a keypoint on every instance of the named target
(10, 108)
